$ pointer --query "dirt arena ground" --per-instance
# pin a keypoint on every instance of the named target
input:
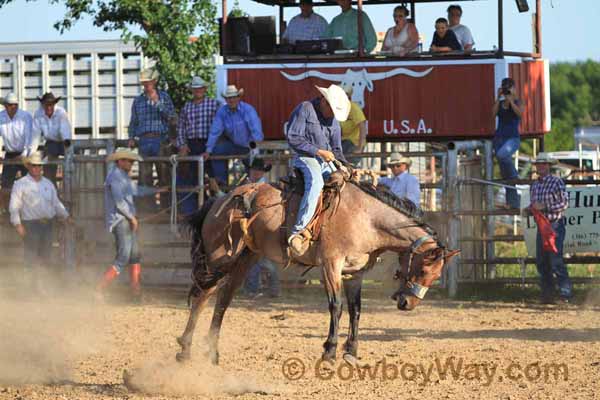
(68, 348)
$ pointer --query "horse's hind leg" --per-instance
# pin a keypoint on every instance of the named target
(332, 276)
(352, 289)
(224, 297)
(185, 340)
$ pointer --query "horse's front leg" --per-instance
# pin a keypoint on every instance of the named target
(185, 340)
(352, 289)
(332, 277)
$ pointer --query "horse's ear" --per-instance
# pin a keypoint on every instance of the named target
(450, 254)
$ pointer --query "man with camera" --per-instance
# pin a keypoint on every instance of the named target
(234, 131)
(509, 109)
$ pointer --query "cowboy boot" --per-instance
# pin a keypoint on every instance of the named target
(135, 272)
(109, 275)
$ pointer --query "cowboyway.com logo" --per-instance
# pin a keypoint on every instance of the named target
(425, 373)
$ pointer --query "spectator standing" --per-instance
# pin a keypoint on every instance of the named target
(15, 132)
(354, 129)
(34, 204)
(121, 220)
(314, 134)
(444, 39)
(234, 131)
(51, 123)
(462, 32)
(152, 113)
(345, 25)
(549, 195)
(403, 37)
(195, 120)
(258, 171)
(307, 25)
(403, 184)
(509, 109)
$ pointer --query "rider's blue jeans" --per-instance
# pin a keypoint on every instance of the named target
(314, 170)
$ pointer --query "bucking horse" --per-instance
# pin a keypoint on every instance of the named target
(354, 224)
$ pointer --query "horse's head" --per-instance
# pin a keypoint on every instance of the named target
(417, 273)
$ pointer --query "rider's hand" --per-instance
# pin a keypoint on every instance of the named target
(326, 155)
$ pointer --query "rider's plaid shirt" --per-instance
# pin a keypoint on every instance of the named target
(552, 193)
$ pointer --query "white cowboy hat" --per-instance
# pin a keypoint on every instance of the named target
(123, 155)
(34, 159)
(148, 74)
(197, 83)
(544, 158)
(397, 158)
(11, 98)
(232, 91)
(338, 100)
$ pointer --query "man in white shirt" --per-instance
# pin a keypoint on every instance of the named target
(15, 132)
(33, 205)
(307, 25)
(403, 184)
(463, 33)
(52, 123)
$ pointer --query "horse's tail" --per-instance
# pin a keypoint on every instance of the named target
(201, 276)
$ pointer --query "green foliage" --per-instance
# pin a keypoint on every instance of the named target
(167, 27)
(237, 11)
(575, 99)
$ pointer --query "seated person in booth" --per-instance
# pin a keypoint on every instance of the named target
(235, 130)
(403, 37)
(345, 25)
(444, 40)
(52, 123)
(314, 134)
(354, 129)
(402, 184)
(509, 109)
(307, 25)
(463, 33)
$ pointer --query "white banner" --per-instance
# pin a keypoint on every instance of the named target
(582, 221)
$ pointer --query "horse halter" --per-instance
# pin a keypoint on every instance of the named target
(414, 288)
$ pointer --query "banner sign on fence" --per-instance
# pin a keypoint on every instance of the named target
(582, 221)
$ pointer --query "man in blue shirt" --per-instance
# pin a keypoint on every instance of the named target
(151, 114)
(122, 221)
(402, 184)
(235, 130)
(314, 134)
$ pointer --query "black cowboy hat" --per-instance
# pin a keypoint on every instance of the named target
(49, 98)
(259, 164)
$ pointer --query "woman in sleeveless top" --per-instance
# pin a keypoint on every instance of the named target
(507, 138)
(402, 38)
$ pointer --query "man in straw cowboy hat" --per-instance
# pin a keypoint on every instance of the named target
(51, 123)
(152, 112)
(121, 220)
(548, 194)
(193, 129)
(15, 132)
(235, 130)
(314, 134)
(34, 204)
(402, 184)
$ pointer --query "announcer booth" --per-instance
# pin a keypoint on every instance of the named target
(402, 97)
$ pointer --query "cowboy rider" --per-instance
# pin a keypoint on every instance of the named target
(314, 134)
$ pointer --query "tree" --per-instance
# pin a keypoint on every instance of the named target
(168, 27)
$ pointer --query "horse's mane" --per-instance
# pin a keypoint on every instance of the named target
(403, 205)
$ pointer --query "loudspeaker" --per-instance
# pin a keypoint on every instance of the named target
(522, 5)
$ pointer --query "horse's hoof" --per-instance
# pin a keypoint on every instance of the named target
(182, 357)
(350, 359)
(327, 356)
